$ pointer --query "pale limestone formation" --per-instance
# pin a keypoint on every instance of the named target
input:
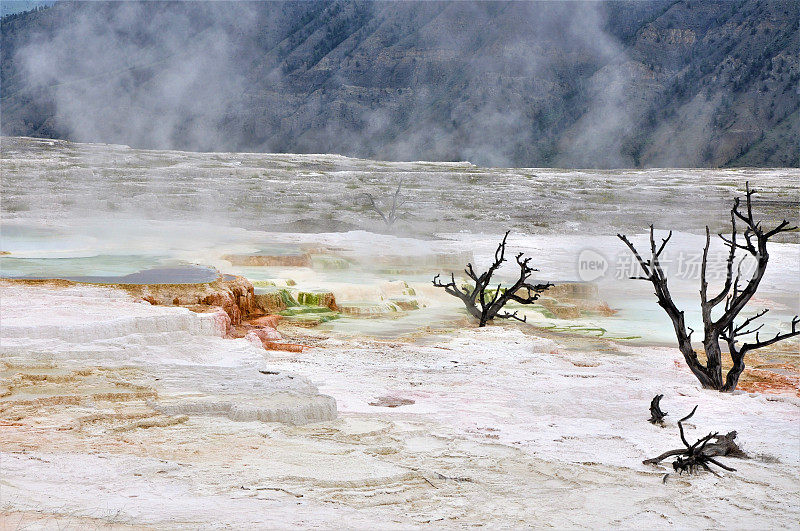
(101, 350)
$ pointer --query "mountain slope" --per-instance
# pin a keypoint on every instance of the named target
(601, 84)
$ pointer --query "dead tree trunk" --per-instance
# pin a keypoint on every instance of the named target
(656, 415)
(736, 293)
(484, 304)
(390, 216)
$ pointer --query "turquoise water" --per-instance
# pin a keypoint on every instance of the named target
(107, 269)
(53, 253)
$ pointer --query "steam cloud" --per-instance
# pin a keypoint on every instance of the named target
(463, 81)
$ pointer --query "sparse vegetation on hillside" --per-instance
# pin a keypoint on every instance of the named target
(611, 84)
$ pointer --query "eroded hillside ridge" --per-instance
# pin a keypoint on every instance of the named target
(607, 84)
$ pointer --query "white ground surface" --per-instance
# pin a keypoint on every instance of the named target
(114, 412)
(506, 428)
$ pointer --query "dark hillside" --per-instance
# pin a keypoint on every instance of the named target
(598, 84)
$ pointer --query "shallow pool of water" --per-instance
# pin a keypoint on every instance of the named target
(107, 270)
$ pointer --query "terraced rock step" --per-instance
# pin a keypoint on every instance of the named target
(274, 299)
(326, 262)
(283, 407)
(309, 316)
(119, 361)
(367, 309)
(317, 298)
(280, 260)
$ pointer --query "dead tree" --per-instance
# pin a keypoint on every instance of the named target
(702, 452)
(485, 304)
(656, 415)
(391, 216)
(735, 294)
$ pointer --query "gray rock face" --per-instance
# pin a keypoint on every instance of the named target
(596, 84)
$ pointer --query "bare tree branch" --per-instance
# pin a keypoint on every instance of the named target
(485, 303)
(390, 217)
(702, 452)
(736, 292)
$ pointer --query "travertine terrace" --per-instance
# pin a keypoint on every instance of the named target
(198, 340)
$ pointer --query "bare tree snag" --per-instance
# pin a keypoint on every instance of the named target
(735, 294)
(701, 453)
(656, 415)
(390, 216)
(486, 304)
